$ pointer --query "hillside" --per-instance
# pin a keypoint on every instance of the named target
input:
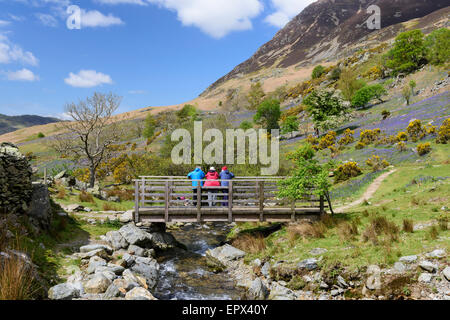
(325, 28)
(13, 123)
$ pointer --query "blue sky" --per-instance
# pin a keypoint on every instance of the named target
(150, 52)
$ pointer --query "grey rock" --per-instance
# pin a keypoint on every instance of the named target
(125, 285)
(135, 250)
(136, 236)
(98, 284)
(408, 259)
(278, 292)
(438, 253)
(148, 268)
(116, 240)
(99, 253)
(318, 251)
(373, 282)
(113, 199)
(118, 270)
(39, 209)
(60, 175)
(265, 270)
(258, 290)
(63, 291)
(256, 263)
(139, 294)
(224, 254)
(127, 216)
(336, 292)
(425, 277)
(163, 241)
(446, 273)
(308, 264)
(111, 292)
(323, 285)
(95, 262)
(129, 259)
(75, 207)
(399, 267)
(428, 266)
(373, 269)
(341, 282)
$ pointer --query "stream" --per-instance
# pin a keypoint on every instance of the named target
(184, 274)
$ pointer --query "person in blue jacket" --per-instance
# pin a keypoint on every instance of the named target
(225, 175)
(196, 175)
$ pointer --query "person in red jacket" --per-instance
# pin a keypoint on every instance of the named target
(212, 181)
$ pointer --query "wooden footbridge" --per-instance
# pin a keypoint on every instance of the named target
(174, 199)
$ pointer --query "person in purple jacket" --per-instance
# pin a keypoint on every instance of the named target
(225, 175)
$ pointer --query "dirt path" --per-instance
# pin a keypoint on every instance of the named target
(368, 194)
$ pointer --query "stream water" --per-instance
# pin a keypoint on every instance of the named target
(184, 274)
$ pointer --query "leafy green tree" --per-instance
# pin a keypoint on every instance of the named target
(406, 93)
(187, 113)
(363, 96)
(318, 72)
(349, 84)
(309, 176)
(408, 53)
(289, 124)
(41, 135)
(149, 126)
(268, 114)
(325, 105)
(245, 125)
(412, 85)
(438, 44)
(255, 96)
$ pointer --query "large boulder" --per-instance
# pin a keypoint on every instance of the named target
(95, 262)
(136, 236)
(112, 292)
(98, 284)
(308, 264)
(40, 210)
(224, 254)
(446, 273)
(257, 290)
(63, 291)
(428, 266)
(126, 217)
(148, 268)
(92, 247)
(116, 240)
(163, 241)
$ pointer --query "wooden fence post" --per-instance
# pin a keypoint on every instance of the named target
(143, 193)
(199, 202)
(261, 200)
(230, 202)
(293, 204)
(136, 202)
(166, 202)
(45, 176)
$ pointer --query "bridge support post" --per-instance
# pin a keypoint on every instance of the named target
(136, 202)
(261, 200)
(199, 202)
(230, 202)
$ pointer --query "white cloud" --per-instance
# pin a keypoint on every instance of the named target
(87, 79)
(10, 52)
(95, 18)
(285, 11)
(4, 23)
(138, 2)
(137, 92)
(47, 20)
(21, 75)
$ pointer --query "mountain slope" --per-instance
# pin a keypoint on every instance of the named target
(326, 27)
(12, 123)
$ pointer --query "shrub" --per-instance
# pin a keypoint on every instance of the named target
(415, 130)
(61, 193)
(408, 225)
(430, 129)
(406, 93)
(347, 138)
(385, 114)
(268, 114)
(312, 140)
(380, 226)
(369, 136)
(444, 132)
(367, 93)
(305, 230)
(346, 171)
(423, 148)
(335, 74)
(86, 197)
(255, 96)
(109, 207)
(402, 136)
(123, 194)
(360, 145)
(245, 125)
(149, 126)
(318, 72)
(289, 124)
(349, 84)
(328, 140)
(443, 223)
(41, 135)
(376, 163)
(401, 146)
(433, 233)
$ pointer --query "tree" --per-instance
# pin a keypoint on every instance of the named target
(438, 44)
(255, 96)
(268, 114)
(187, 113)
(245, 125)
(309, 176)
(325, 107)
(412, 85)
(149, 126)
(91, 136)
(408, 53)
(335, 74)
(363, 96)
(406, 93)
(349, 84)
(318, 72)
(289, 124)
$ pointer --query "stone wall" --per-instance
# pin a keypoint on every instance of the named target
(18, 195)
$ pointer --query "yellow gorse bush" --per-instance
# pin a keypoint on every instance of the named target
(444, 132)
(415, 130)
(370, 136)
(328, 140)
(347, 138)
(346, 171)
(423, 148)
(377, 163)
